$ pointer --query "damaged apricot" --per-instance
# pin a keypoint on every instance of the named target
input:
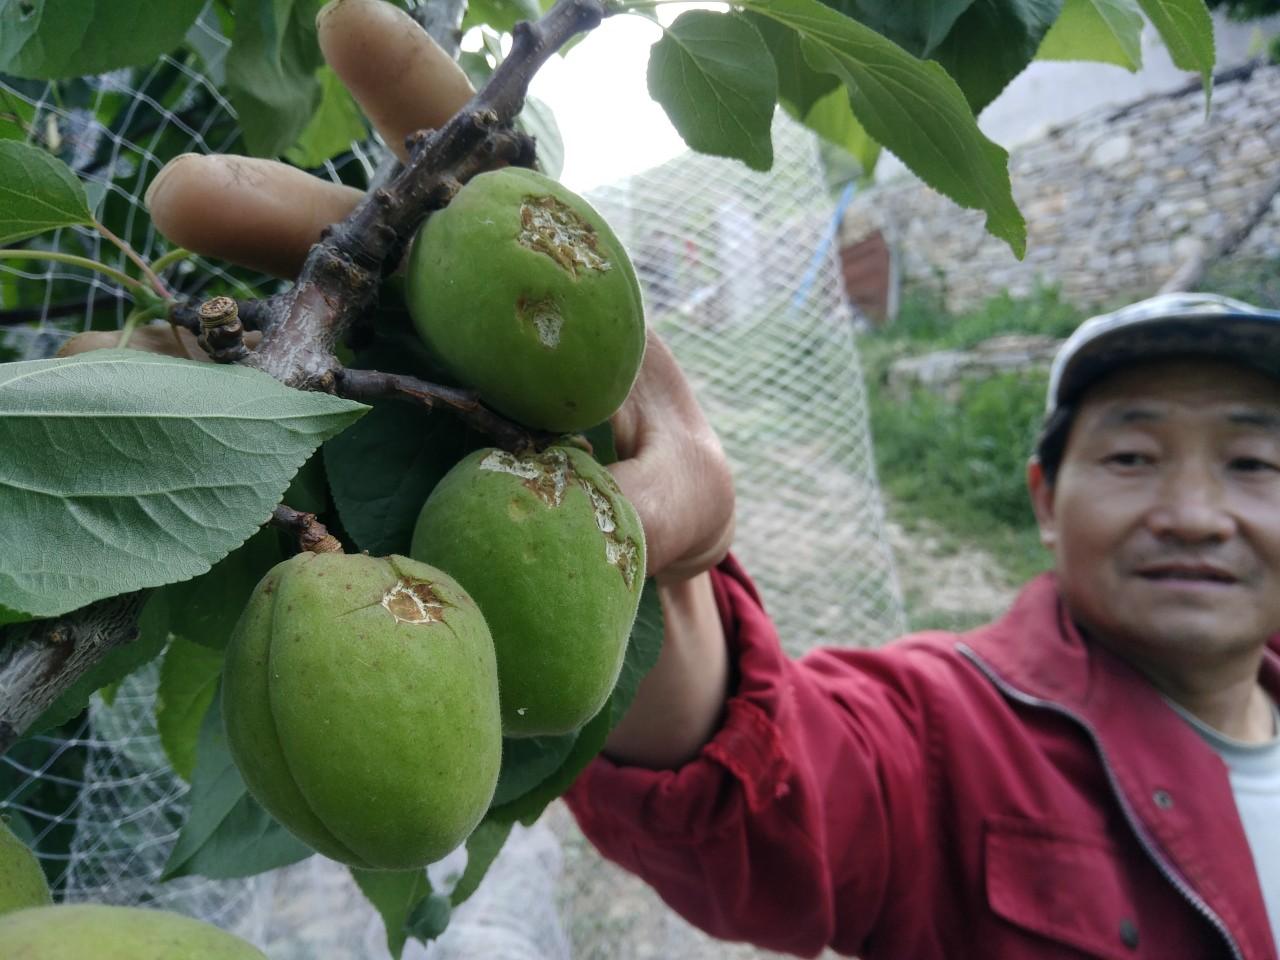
(553, 553)
(360, 697)
(524, 293)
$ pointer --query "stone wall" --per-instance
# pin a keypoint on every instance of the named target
(1114, 201)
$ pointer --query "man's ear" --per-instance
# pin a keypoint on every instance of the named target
(1041, 491)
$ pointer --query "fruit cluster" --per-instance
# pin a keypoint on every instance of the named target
(366, 699)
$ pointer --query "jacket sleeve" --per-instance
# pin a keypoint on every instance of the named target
(782, 832)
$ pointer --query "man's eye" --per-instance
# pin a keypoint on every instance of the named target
(1254, 465)
(1127, 458)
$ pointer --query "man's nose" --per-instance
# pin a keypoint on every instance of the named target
(1191, 505)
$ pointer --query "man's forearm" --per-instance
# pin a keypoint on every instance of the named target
(680, 702)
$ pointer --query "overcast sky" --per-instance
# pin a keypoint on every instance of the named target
(610, 126)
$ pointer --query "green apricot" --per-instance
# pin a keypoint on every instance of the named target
(360, 696)
(525, 294)
(22, 882)
(86, 930)
(554, 555)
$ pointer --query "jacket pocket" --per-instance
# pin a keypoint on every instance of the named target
(1061, 883)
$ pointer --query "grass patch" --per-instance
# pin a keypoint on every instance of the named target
(962, 464)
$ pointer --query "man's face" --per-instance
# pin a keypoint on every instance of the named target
(1165, 515)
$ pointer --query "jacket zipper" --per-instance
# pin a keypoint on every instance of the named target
(1135, 824)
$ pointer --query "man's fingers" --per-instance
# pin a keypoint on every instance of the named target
(400, 77)
(257, 213)
(266, 215)
(685, 502)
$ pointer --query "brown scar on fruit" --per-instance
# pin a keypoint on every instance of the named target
(621, 553)
(544, 316)
(554, 228)
(545, 476)
(414, 601)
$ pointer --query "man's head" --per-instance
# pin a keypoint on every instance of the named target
(1157, 477)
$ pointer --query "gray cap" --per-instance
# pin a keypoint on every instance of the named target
(1172, 324)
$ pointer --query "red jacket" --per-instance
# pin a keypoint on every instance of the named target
(1007, 793)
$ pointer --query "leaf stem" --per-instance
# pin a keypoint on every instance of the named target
(140, 315)
(170, 258)
(122, 278)
(156, 283)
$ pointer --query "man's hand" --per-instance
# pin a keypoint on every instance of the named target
(672, 468)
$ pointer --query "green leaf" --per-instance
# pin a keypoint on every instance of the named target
(818, 100)
(483, 847)
(1186, 28)
(832, 119)
(800, 86)
(603, 447)
(271, 71)
(52, 39)
(336, 124)
(382, 470)
(1106, 31)
(992, 42)
(204, 609)
(38, 192)
(714, 77)
(588, 742)
(539, 121)
(394, 894)
(13, 616)
(153, 631)
(309, 490)
(917, 26)
(501, 15)
(430, 918)
(140, 470)
(527, 762)
(247, 842)
(227, 834)
(911, 107)
(17, 117)
(189, 676)
(643, 647)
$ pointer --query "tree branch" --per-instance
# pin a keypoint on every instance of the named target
(41, 659)
(369, 385)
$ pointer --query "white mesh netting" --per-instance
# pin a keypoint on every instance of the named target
(739, 275)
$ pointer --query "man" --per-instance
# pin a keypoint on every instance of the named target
(1095, 775)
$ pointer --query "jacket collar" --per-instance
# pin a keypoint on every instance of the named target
(1037, 648)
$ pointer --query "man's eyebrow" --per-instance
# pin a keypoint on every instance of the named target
(1256, 417)
(1123, 416)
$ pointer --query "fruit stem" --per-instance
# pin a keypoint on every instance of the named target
(312, 535)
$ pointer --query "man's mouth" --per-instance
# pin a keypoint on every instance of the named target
(1187, 573)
